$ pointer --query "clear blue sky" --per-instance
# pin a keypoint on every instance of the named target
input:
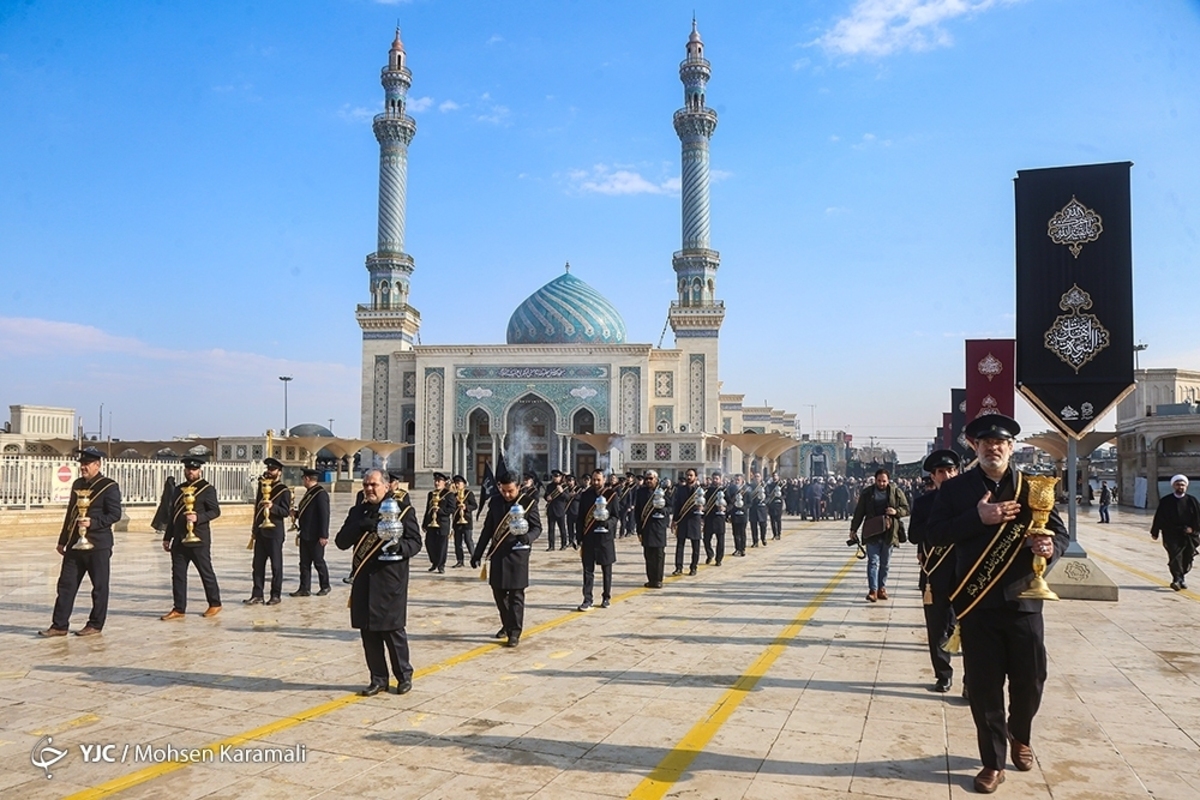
(188, 188)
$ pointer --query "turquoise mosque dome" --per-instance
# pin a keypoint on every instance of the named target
(566, 311)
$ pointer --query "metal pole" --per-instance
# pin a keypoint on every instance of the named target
(286, 380)
(1074, 550)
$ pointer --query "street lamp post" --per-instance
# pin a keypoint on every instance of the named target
(286, 380)
(1137, 348)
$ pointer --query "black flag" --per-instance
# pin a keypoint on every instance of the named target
(488, 488)
(1074, 292)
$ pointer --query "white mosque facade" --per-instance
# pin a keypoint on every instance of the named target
(566, 368)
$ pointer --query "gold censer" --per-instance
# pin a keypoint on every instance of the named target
(189, 507)
(83, 501)
(1041, 501)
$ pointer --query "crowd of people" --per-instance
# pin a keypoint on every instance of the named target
(978, 544)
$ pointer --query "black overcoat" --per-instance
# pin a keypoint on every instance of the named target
(206, 507)
(313, 515)
(508, 566)
(687, 525)
(104, 511)
(651, 523)
(955, 520)
(598, 539)
(379, 594)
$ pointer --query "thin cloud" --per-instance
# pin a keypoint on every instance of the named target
(493, 112)
(355, 113)
(420, 104)
(448, 105)
(495, 38)
(882, 27)
(604, 179)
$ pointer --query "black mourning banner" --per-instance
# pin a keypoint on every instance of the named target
(958, 421)
(1074, 292)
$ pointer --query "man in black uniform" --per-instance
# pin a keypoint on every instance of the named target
(714, 520)
(596, 538)
(1178, 519)
(508, 553)
(313, 518)
(937, 569)
(464, 542)
(985, 514)
(572, 491)
(775, 505)
(688, 505)
(736, 498)
(103, 509)
(439, 522)
(268, 541)
(651, 524)
(556, 510)
(625, 498)
(176, 520)
(379, 588)
(757, 512)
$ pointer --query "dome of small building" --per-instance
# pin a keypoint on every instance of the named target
(310, 429)
(566, 311)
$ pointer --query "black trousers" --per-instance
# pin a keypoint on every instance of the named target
(814, 508)
(265, 549)
(201, 556)
(312, 554)
(656, 563)
(717, 532)
(396, 644)
(999, 644)
(555, 521)
(739, 534)
(939, 624)
(96, 564)
(775, 515)
(463, 537)
(589, 576)
(511, 605)
(1180, 552)
(679, 545)
(758, 530)
(437, 544)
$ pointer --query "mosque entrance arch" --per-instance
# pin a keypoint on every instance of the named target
(531, 425)
(818, 464)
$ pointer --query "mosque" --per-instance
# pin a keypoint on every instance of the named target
(566, 391)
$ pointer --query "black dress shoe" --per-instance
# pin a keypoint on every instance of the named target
(502, 634)
(942, 686)
(404, 687)
(299, 593)
(513, 641)
(708, 561)
(323, 592)
(605, 604)
(676, 572)
(657, 585)
(252, 601)
(372, 690)
(692, 571)
(274, 601)
(432, 569)
(456, 566)
(441, 570)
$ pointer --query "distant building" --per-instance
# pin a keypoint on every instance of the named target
(1158, 435)
(29, 424)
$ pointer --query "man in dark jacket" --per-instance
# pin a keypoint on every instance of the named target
(715, 504)
(379, 588)
(269, 531)
(176, 520)
(688, 518)
(736, 500)
(556, 510)
(464, 542)
(440, 508)
(85, 544)
(596, 537)
(651, 523)
(312, 517)
(1177, 518)
(985, 514)
(508, 553)
(936, 581)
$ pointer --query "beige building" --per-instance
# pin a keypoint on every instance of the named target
(1158, 435)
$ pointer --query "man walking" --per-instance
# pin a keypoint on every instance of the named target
(176, 520)
(312, 517)
(1177, 518)
(881, 504)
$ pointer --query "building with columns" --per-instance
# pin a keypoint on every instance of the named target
(565, 367)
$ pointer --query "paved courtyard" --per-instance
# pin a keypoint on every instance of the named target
(768, 677)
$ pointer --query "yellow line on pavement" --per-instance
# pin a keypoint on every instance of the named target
(1142, 574)
(675, 763)
(120, 784)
